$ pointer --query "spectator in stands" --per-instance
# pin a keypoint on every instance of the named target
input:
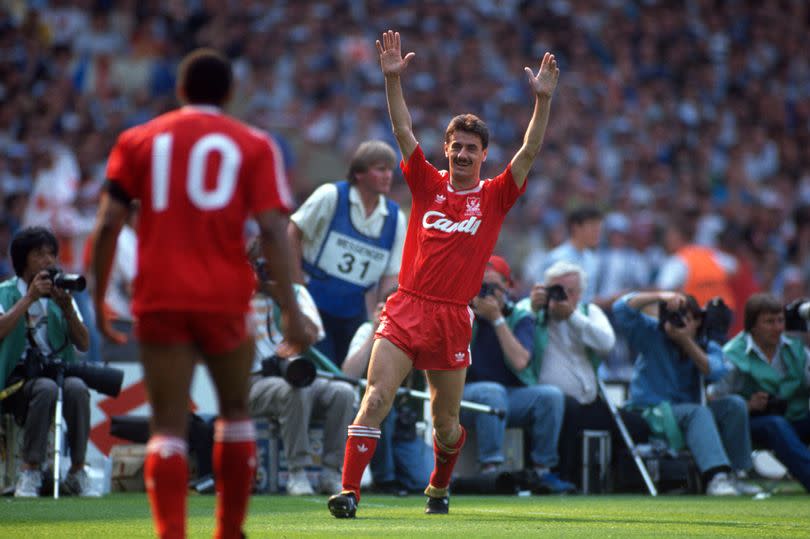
(771, 371)
(584, 227)
(294, 408)
(349, 238)
(40, 321)
(668, 388)
(402, 461)
(571, 338)
(504, 375)
(694, 269)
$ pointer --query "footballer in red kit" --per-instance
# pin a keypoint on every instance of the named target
(455, 221)
(199, 175)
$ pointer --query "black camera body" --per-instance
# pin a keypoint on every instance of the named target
(488, 289)
(797, 315)
(297, 371)
(555, 292)
(104, 379)
(67, 281)
(675, 318)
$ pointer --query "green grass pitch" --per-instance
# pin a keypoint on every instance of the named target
(123, 516)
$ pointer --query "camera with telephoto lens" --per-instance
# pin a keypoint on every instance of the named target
(716, 321)
(797, 315)
(297, 371)
(67, 281)
(101, 378)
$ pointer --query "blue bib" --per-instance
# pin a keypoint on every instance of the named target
(349, 263)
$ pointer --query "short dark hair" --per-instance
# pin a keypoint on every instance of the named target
(583, 214)
(26, 240)
(758, 304)
(469, 123)
(370, 153)
(205, 77)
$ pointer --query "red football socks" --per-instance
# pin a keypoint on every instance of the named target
(234, 462)
(445, 458)
(360, 446)
(166, 476)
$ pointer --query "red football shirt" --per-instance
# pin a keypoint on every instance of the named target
(199, 175)
(451, 233)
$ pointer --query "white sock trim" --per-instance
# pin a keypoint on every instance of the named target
(360, 431)
(242, 430)
(167, 446)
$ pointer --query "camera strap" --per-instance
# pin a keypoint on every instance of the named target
(29, 334)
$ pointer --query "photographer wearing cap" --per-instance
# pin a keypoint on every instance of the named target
(772, 372)
(293, 407)
(667, 386)
(570, 338)
(503, 374)
(40, 322)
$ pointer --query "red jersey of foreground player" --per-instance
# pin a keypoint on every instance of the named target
(451, 233)
(212, 172)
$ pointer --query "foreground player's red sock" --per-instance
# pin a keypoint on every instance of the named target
(360, 446)
(234, 462)
(165, 472)
(445, 458)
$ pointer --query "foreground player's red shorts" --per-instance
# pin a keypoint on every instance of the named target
(435, 334)
(213, 333)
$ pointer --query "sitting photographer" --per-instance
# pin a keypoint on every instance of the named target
(294, 407)
(403, 461)
(570, 338)
(40, 324)
(668, 383)
(772, 372)
(503, 375)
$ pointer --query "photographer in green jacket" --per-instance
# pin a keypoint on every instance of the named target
(771, 371)
(40, 322)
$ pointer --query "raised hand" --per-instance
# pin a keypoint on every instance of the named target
(545, 81)
(391, 60)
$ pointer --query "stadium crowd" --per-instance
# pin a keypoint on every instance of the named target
(698, 113)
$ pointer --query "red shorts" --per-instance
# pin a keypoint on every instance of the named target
(435, 334)
(212, 333)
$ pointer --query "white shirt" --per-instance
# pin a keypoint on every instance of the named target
(119, 292)
(315, 215)
(38, 320)
(266, 329)
(565, 360)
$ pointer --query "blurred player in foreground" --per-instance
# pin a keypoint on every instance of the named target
(199, 174)
(427, 324)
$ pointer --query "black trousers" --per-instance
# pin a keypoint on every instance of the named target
(593, 416)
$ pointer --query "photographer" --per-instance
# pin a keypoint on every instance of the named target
(667, 386)
(39, 322)
(293, 407)
(503, 375)
(772, 372)
(570, 338)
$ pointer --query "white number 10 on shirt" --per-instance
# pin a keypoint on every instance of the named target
(220, 196)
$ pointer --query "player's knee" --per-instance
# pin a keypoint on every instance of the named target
(376, 403)
(446, 427)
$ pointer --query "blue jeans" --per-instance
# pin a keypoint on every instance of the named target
(536, 409)
(408, 462)
(788, 440)
(716, 434)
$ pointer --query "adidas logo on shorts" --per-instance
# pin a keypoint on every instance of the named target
(460, 356)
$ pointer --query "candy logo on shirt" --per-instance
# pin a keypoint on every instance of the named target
(439, 221)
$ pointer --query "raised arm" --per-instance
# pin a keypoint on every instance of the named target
(393, 64)
(543, 85)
